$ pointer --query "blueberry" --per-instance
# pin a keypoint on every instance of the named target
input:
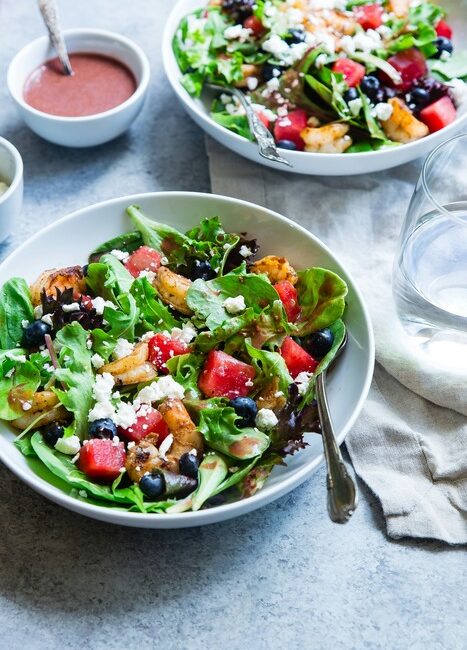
(34, 334)
(103, 428)
(269, 70)
(350, 94)
(370, 85)
(152, 485)
(286, 144)
(319, 343)
(442, 44)
(419, 97)
(52, 432)
(202, 271)
(246, 409)
(295, 36)
(379, 96)
(188, 465)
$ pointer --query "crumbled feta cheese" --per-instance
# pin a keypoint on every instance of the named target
(303, 380)
(237, 32)
(445, 56)
(38, 312)
(47, 319)
(97, 361)
(131, 444)
(24, 323)
(245, 251)
(89, 343)
(9, 373)
(347, 44)
(49, 367)
(234, 305)
(73, 306)
(147, 335)
(21, 358)
(384, 31)
(252, 83)
(165, 445)
(367, 41)
(99, 303)
(382, 111)
(268, 114)
(102, 389)
(186, 334)
(164, 387)
(27, 406)
(120, 255)
(320, 60)
(69, 446)
(457, 90)
(275, 45)
(235, 108)
(266, 419)
(273, 83)
(149, 275)
(279, 393)
(122, 348)
(355, 105)
(83, 494)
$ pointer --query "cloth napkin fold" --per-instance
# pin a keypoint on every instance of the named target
(410, 443)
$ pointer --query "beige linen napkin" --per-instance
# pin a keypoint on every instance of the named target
(410, 452)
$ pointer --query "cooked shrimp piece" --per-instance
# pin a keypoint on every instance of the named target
(276, 268)
(181, 426)
(331, 138)
(402, 125)
(132, 369)
(142, 458)
(172, 289)
(43, 404)
(271, 397)
(71, 277)
(400, 7)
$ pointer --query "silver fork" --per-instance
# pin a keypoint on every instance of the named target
(266, 145)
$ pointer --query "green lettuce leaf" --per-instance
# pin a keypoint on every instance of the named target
(15, 307)
(185, 369)
(20, 373)
(154, 314)
(321, 294)
(76, 376)
(108, 278)
(453, 68)
(217, 424)
(128, 242)
(269, 365)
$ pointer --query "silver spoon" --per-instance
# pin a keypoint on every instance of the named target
(266, 145)
(342, 490)
(49, 13)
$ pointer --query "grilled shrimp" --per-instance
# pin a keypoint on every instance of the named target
(276, 268)
(402, 125)
(173, 288)
(400, 7)
(331, 138)
(181, 426)
(132, 369)
(248, 70)
(71, 277)
(43, 404)
(271, 397)
(143, 457)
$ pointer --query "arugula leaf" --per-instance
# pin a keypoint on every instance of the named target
(76, 374)
(269, 365)
(185, 369)
(108, 278)
(235, 477)
(210, 241)
(373, 127)
(15, 306)
(321, 294)
(128, 242)
(236, 123)
(217, 424)
(153, 313)
(25, 446)
(159, 236)
(206, 298)
(453, 68)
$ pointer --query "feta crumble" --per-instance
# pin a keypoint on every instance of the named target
(186, 334)
(47, 319)
(266, 419)
(382, 111)
(120, 255)
(457, 90)
(245, 251)
(38, 312)
(165, 446)
(24, 323)
(164, 387)
(355, 105)
(97, 361)
(73, 306)
(234, 305)
(99, 303)
(69, 446)
(252, 83)
(303, 380)
(122, 348)
(149, 275)
(237, 32)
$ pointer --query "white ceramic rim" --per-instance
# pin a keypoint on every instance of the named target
(18, 175)
(185, 98)
(221, 512)
(105, 35)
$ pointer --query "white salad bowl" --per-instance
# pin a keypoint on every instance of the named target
(11, 173)
(319, 164)
(69, 241)
(89, 130)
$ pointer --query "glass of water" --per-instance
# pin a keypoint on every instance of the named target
(430, 268)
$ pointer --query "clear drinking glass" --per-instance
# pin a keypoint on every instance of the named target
(430, 268)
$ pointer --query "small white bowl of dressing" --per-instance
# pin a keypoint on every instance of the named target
(11, 187)
(96, 104)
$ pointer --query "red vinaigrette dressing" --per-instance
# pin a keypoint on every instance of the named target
(98, 84)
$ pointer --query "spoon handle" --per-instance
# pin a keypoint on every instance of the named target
(342, 491)
(266, 146)
(48, 9)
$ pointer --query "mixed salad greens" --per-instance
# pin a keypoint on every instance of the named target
(169, 373)
(327, 76)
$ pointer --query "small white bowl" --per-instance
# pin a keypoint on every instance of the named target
(89, 130)
(11, 172)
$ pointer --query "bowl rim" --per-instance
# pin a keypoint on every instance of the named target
(217, 513)
(104, 35)
(168, 58)
(18, 163)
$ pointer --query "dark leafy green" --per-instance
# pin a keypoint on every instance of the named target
(321, 294)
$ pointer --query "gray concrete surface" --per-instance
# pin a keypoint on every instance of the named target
(281, 577)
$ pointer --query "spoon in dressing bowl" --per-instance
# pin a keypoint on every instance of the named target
(342, 490)
(48, 9)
